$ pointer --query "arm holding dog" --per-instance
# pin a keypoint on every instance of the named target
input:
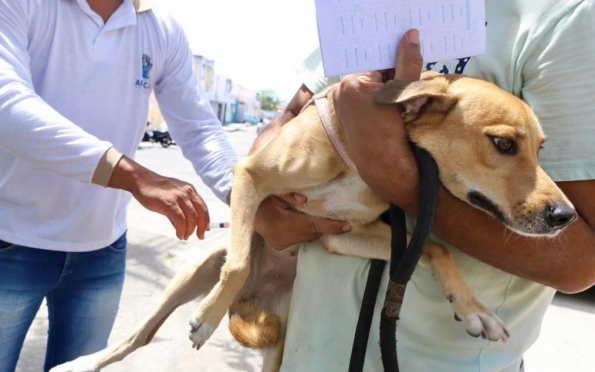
(276, 220)
(564, 263)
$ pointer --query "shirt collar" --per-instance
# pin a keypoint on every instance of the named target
(124, 16)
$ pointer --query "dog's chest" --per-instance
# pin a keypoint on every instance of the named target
(345, 198)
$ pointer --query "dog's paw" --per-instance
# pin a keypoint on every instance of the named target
(487, 325)
(199, 333)
(478, 320)
(86, 363)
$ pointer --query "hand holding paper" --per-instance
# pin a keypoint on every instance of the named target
(362, 35)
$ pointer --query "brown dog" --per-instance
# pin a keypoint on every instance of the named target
(485, 142)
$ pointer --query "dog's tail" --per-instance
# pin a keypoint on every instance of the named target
(253, 326)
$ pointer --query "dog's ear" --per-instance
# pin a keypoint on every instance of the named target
(417, 97)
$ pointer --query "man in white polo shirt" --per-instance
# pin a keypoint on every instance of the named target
(75, 77)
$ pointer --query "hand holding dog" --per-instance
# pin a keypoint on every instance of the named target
(282, 226)
(375, 134)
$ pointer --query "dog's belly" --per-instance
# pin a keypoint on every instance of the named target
(345, 198)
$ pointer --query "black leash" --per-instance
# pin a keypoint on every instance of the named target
(403, 262)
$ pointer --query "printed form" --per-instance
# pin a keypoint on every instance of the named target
(362, 35)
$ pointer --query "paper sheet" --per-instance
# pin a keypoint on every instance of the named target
(362, 35)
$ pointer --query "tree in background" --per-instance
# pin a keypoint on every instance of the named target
(268, 100)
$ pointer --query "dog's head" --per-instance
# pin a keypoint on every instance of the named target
(486, 143)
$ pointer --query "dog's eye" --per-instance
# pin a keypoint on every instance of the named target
(504, 145)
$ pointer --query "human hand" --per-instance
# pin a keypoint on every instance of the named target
(375, 135)
(282, 226)
(177, 200)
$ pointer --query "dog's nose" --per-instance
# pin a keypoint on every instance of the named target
(560, 215)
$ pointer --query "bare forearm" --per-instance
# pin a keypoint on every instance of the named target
(127, 175)
(565, 262)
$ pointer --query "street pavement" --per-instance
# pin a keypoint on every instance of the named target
(154, 254)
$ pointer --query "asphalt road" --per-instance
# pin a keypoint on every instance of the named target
(565, 343)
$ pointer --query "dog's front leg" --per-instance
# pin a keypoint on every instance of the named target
(245, 199)
(301, 156)
(373, 241)
(477, 319)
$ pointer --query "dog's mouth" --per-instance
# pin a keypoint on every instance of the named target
(482, 202)
(533, 224)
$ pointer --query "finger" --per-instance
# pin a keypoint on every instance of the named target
(190, 215)
(371, 76)
(176, 217)
(295, 198)
(204, 218)
(319, 225)
(409, 59)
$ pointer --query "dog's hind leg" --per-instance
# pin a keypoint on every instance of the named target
(301, 156)
(192, 281)
(273, 356)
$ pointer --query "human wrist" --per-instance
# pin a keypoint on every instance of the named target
(128, 175)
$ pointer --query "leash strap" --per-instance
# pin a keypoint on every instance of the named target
(366, 314)
(403, 262)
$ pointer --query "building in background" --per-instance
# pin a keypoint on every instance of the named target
(232, 103)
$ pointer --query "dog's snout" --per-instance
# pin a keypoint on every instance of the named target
(560, 215)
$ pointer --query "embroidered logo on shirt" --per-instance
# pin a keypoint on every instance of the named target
(147, 65)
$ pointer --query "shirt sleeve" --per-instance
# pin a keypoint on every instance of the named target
(31, 129)
(558, 83)
(190, 118)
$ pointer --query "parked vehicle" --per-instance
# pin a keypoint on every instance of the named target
(252, 119)
(159, 135)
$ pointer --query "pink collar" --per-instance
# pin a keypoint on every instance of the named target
(321, 102)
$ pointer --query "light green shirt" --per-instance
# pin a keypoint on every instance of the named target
(542, 51)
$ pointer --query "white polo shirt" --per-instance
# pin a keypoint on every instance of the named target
(70, 88)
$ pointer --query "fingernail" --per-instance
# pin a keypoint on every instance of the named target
(346, 228)
(413, 37)
(299, 197)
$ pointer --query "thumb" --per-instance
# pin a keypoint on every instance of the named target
(294, 198)
(409, 59)
(327, 226)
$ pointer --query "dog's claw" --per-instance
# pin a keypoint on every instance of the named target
(199, 333)
(477, 320)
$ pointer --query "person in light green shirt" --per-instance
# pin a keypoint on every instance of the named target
(543, 52)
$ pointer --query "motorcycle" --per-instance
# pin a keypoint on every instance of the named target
(159, 135)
